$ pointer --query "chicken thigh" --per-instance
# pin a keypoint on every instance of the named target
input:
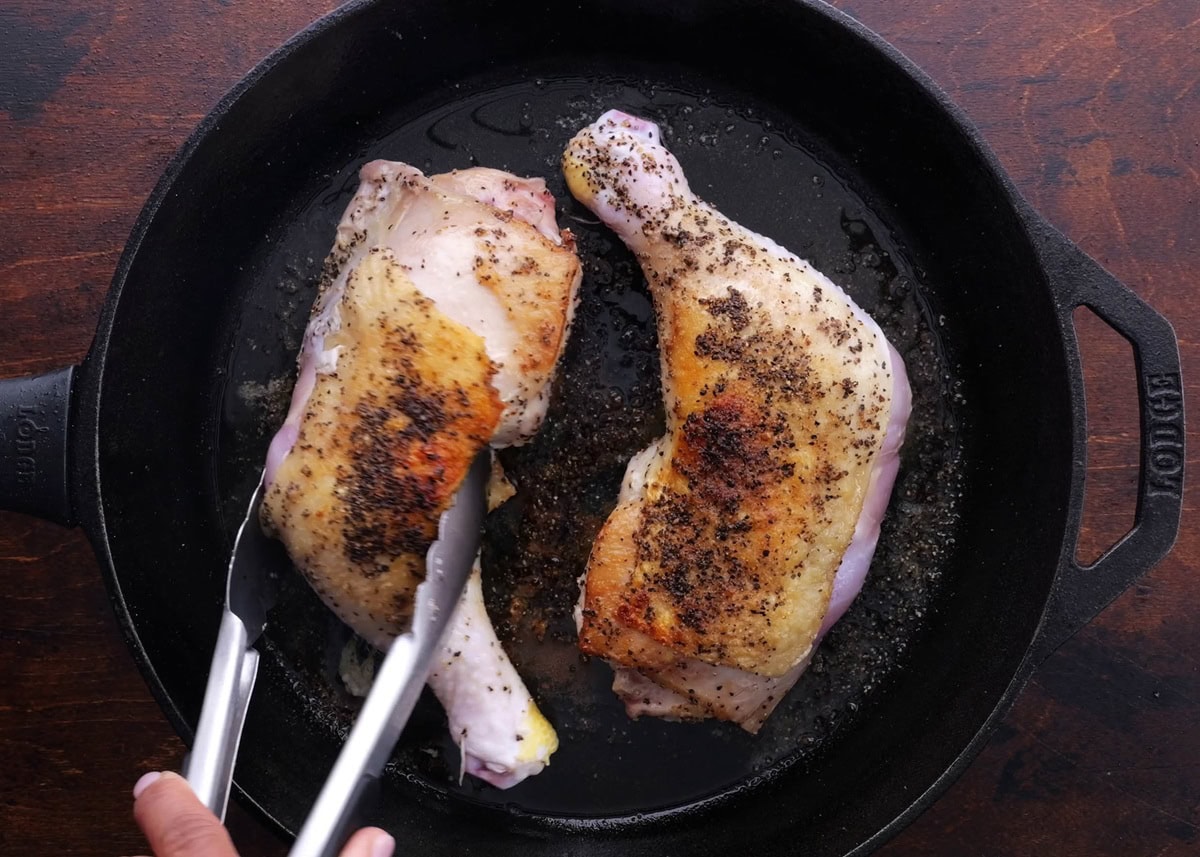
(744, 532)
(444, 307)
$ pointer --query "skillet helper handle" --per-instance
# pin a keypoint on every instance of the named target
(1081, 592)
(209, 767)
(35, 423)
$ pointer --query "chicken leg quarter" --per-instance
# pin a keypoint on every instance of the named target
(444, 308)
(745, 531)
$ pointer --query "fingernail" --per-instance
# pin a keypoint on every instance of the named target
(144, 783)
(383, 846)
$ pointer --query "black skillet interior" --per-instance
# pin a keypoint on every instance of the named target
(819, 141)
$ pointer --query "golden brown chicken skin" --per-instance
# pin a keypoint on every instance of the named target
(444, 307)
(386, 439)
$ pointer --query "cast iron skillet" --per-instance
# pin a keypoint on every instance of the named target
(823, 137)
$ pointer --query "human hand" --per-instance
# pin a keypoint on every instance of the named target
(178, 825)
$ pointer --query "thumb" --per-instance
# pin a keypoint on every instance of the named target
(369, 842)
(175, 822)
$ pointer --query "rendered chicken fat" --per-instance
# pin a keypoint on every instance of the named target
(745, 531)
(444, 307)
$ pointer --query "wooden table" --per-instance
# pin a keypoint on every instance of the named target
(1094, 109)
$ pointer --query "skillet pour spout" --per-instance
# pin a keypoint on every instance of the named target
(154, 443)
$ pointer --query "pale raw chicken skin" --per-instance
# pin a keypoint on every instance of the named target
(743, 533)
(501, 733)
(445, 305)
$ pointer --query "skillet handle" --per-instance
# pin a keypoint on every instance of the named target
(35, 424)
(1081, 592)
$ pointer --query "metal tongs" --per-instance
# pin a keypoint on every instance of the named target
(250, 592)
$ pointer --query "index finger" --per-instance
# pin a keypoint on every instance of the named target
(175, 822)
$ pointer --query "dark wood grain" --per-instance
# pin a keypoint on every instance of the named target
(1094, 109)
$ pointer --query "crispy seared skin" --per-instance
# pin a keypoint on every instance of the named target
(728, 535)
(385, 441)
(444, 306)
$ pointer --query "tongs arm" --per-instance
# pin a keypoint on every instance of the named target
(394, 694)
(249, 592)
(209, 767)
(387, 708)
